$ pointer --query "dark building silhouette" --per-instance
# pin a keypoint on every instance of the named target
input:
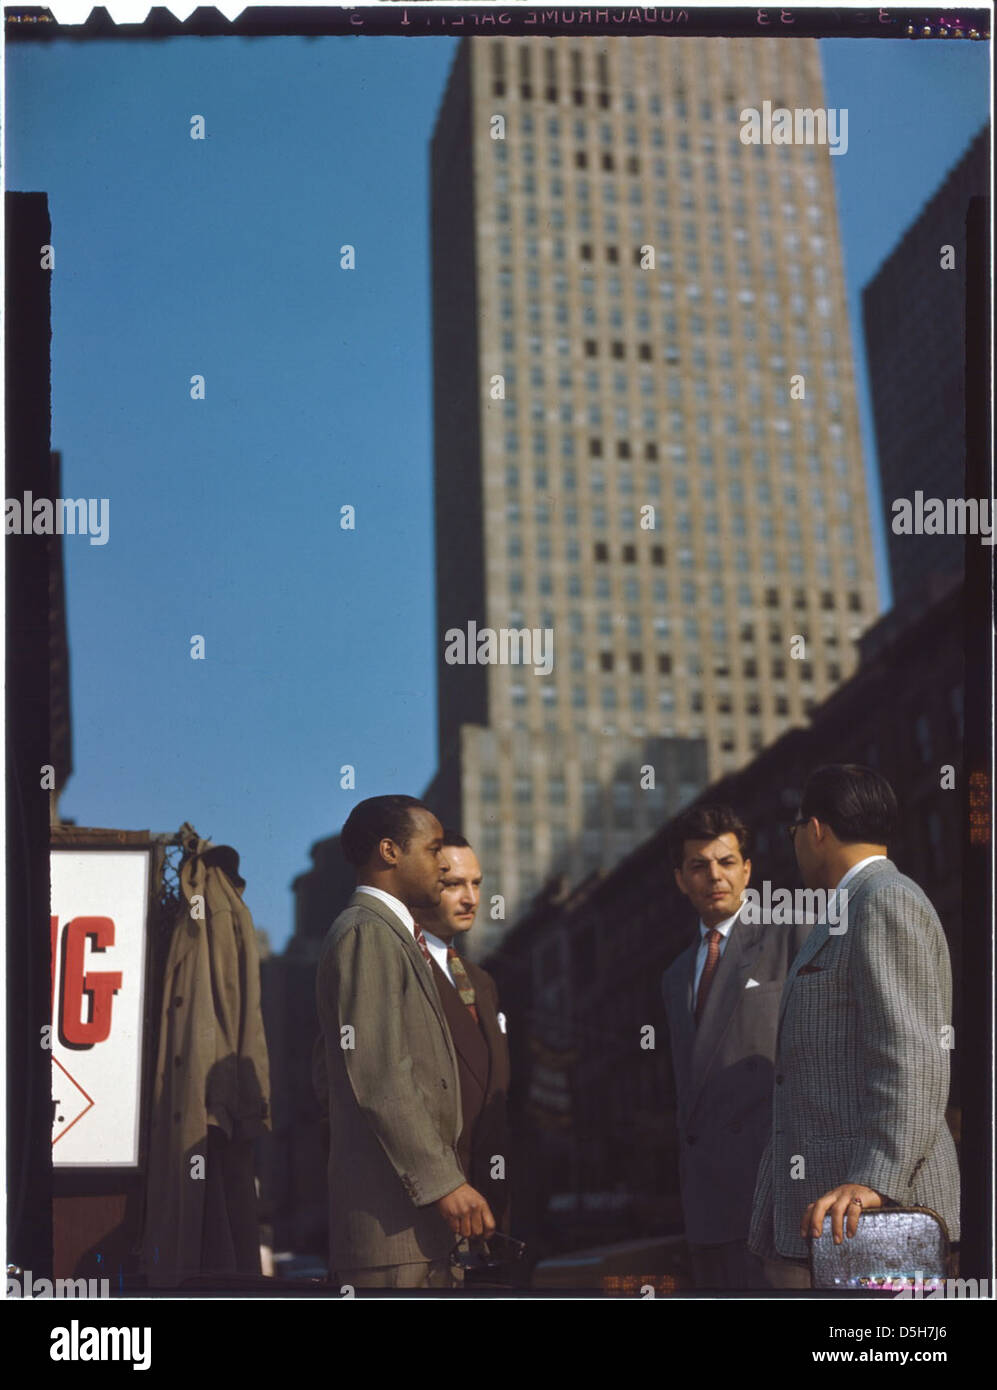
(914, 313)
(36, 676)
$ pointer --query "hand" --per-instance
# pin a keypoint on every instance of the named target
(466, 1212)
(851, 1198)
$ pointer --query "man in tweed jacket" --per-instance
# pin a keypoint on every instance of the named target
(398, 1197)
(862, 1062)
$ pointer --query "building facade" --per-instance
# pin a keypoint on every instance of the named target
(646, 436)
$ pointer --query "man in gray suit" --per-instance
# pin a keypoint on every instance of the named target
(398, 1198)
(722, 997)
(862, 1063)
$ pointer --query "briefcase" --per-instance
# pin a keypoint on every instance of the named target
(890, 1245)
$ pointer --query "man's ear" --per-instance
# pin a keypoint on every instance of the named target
(387, 852)
(747, 868)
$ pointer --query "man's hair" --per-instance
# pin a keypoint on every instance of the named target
(453, 839)
(857, 803)
(376, 819)
(705, 822)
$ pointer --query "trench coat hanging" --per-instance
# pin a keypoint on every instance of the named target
(211, 1093)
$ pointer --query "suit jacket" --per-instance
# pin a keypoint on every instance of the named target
(723, 1074)
(862, 1066)
(393, 1095)
(483, 1064)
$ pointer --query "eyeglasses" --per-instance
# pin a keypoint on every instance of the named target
(488, 1252)
(794, 826)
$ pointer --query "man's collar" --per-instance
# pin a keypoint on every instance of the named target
(847, 877)
(396, 904)
(722, 927)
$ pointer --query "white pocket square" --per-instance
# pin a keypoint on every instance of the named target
(752, 984)
(501, 1022)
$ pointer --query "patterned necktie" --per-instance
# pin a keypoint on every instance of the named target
(713, 939)
(464, 987)
(420, 941)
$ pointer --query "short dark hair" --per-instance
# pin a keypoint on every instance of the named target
(857, 803)
(453, 839)
(705, 822)
(376, 819)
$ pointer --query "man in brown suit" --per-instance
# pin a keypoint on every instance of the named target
(387, 1067)
(470, 1003)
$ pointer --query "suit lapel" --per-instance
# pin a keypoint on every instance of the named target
(678, 981)
(489, 1021)
(457, 1032)
(418, 960)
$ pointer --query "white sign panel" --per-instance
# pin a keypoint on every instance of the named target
(100, 903)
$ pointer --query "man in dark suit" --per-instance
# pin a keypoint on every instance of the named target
(470, 1003)
(722, 997)
(386, 1065)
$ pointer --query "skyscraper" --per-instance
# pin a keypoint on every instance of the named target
(646, 436)
(914, 312)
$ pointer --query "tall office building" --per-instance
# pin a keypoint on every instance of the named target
(914, 311)
(646, 436)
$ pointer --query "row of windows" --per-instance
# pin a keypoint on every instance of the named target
(640, 283)
(705, 424)
(663, 628)
(760, 209)
(739, 560)
(788, 178)
(748, 330)
(775, 302)
(637, 698)
(689, 592)
(655, 165)
(749, 361)
(606, 133)
(612, 286)
(706, 491)
(715, 560)
(536, 345)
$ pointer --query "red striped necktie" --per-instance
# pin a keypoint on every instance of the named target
(713, 938)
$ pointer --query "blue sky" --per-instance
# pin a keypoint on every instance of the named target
(220, 257)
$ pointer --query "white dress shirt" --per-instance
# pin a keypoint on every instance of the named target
(438, 950)
(724, 929)
(847, 877)
(396, 904)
